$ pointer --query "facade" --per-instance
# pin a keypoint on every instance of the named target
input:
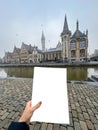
(16, 55)
(36, 56)
(7, 58)
(25, 51)
(74, 47)
(53, 54)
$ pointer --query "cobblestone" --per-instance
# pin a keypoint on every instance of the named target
(83, 105)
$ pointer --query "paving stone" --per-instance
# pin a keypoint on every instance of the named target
(73, 106)
(96, 126)
(2, 112)
(79, 109)
(49, 127)
(77, 126)
(31, 127)
(83, 109)
(93, 119)
(62, 128)
(74, 114)
(43, 126)
(96, 116)
(90, 112)
(37, 126)
(56, 127)
(70, 128)
(90, 125)
(83, 125)
(4, 116)
(86, 116)
(80, 116)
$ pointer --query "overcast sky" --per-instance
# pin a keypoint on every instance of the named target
(24, 20)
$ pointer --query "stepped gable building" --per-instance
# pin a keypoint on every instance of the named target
(16, 55)
(74, 47)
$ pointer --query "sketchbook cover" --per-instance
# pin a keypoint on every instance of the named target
(50, 87)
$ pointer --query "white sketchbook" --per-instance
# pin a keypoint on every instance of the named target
(50, 87)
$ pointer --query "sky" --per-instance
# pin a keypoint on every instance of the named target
(24, 20)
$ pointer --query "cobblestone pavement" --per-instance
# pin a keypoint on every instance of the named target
(83, 105)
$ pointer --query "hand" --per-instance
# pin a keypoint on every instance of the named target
(28, 112)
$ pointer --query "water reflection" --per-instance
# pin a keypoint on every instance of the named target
(24, 72)
(92, 71)
(77, 73)
(73, 73)
(3, 74)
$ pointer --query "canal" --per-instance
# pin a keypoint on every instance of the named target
(73, 73)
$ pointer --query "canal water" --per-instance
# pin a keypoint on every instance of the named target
(73, 73)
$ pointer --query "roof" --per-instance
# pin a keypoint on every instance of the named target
(78, 33)
(65, 28)
(36, 48)
(28, 47)
(17, 50)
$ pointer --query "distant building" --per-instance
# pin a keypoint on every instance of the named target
(96, 52)
(16, 55)
(43, 42)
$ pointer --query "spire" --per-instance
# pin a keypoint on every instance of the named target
(87, 32)
(43, 37)
(77, 25)
(43, 41)
(65, 27)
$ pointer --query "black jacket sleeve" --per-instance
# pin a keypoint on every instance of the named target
(18, 126)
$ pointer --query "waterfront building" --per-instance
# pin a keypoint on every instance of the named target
(7, 58)
(36, 56)
(24, 53)
(74, 47)
(53, 54)
(16, 55)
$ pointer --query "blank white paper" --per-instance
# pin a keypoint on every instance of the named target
(50, 87)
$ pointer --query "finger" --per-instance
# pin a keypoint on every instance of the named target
(36, 106)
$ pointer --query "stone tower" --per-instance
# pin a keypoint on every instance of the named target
(79, 45)
(43, 41)
(65, 37)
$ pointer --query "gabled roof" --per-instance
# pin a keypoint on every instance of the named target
(78, 33)
(17, 50)
(36, 48)
(28, 47)
(59, 45)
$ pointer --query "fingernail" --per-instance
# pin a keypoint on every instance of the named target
(40, 102)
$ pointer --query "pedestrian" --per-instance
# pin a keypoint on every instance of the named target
(23, 122)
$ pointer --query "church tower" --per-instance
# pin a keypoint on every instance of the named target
(65, 37)
(43, 41)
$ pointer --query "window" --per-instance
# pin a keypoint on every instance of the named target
(82, 44)
(73, 45)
